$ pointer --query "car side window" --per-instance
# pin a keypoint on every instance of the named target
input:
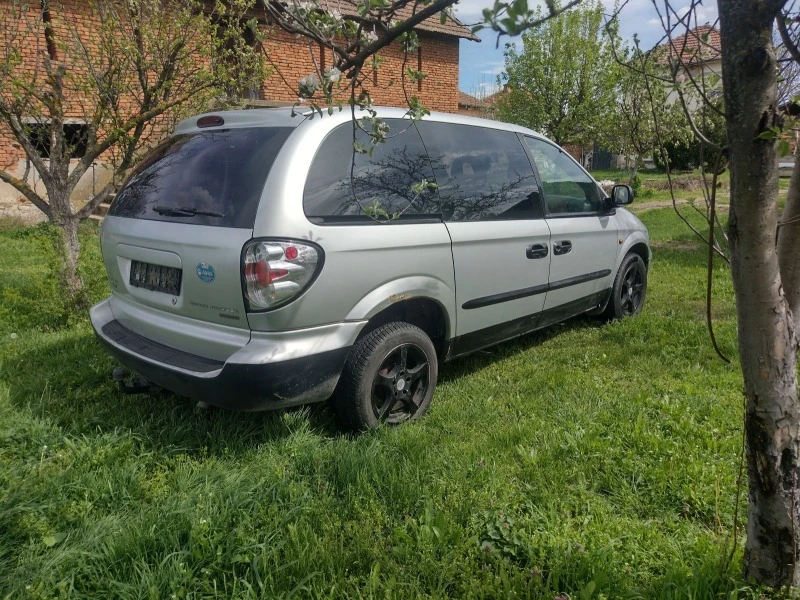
(347, 185)
(482, 173)
(567, 189)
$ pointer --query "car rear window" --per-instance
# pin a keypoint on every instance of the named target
(206, 178)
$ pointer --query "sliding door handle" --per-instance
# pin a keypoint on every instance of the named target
(536, 251)
(563, 247)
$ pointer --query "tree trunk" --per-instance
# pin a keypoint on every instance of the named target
(69, 250)
(789, 246)
(767, 342)
(634, 170)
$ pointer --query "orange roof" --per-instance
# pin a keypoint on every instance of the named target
(698, 45)
(452, 26)
(492, 99)
(465, 99)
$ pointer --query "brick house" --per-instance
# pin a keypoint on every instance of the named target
(700, 56)
(470, 105)
(437, 56)
(291, 58)
(699, 50)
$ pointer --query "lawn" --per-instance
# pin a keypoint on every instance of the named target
(593, 460)
(655, 193)
(654, 186)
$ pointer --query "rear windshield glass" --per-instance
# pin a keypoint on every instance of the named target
(208, 178)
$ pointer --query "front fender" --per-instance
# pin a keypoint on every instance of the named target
(634, 238)
(631, 231)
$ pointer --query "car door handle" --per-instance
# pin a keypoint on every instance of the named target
(563, 247)
(536, 251)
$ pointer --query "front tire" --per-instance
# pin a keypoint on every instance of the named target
(630, 289)
(389, 377)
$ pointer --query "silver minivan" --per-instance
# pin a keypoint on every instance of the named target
(256, 261)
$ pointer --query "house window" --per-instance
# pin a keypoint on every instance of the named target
(251, 91)
(75, 138)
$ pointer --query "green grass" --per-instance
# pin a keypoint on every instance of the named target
(655, 185)
(651, 174)
(594, 460)
(688, 186)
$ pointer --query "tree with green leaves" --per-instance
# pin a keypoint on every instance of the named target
(640, 94)
(561, 83)
(150, 62)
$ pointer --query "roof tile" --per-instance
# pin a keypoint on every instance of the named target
(452, 26)
(698, 45)
(465, 99)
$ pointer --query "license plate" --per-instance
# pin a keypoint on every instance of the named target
(157, 278)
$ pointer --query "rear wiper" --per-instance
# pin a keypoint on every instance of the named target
(184, 211)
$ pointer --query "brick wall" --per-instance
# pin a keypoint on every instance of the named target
(575, 150)
(70, 19)
(28, 46)
(290, 55)
(291, 58)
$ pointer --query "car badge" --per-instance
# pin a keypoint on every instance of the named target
(205, 272)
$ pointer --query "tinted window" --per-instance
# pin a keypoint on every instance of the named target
(388, 180)
(221, 172)
(482, 173)
(567, 189)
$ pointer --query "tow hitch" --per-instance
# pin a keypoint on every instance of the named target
(131, 383)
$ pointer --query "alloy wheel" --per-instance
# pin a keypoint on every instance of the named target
(401, 383)
(632, 290)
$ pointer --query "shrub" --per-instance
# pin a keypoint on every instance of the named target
(680, 156)
(636, 185)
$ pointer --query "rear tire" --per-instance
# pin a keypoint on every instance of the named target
(389, 376)
(629, 290)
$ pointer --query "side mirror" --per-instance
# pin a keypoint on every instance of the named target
(621, 195)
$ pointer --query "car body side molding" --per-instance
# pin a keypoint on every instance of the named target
(477, 340)
(532, 291)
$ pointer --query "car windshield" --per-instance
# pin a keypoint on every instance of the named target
(207, 178)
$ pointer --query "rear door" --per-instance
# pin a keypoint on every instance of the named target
(173, 238)
(584, 242)
(500, 242)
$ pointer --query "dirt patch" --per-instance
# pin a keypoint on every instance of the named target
(686, 183)
(654, 204)
(674, 245)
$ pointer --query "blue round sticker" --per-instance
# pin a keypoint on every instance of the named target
(205, 272)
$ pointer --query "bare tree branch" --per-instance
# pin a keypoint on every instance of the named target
(114, 137)
(99, 198)
(791, 47)
(710, 263)
(26, 191)
(17, 128)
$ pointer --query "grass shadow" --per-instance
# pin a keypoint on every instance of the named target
(65, 378)
(466, 365)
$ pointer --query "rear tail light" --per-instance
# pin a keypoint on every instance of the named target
(275, 272)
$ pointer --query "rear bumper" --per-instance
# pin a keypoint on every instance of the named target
(274, 370)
